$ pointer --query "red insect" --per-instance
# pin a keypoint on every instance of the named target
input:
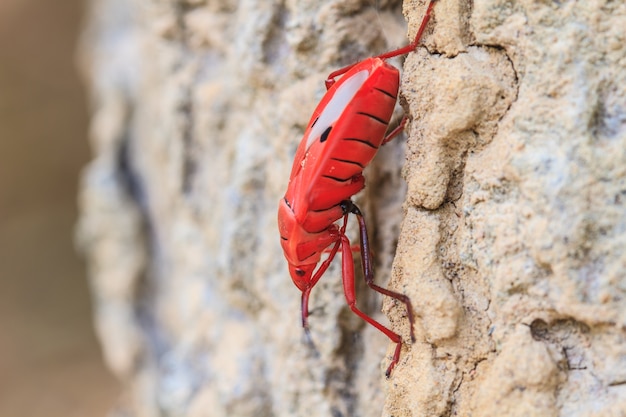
(342, 137)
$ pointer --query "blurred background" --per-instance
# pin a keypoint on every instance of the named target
(50, 361)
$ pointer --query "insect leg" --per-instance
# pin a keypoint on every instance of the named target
(347, 266)
(354, 248)
(395, 132)
(368, 270)
(396, 52)
(316, 277)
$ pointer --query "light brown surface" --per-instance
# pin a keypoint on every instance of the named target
(513, 238)
(510, 239)
(50, 362)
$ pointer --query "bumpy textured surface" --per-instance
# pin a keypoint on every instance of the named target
(511, 238)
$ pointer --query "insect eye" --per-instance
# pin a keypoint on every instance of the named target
(300, 272)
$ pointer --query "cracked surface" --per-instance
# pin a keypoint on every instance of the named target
(511, 233)
(510, 242)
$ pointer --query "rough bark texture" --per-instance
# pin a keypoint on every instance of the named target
(511, 239)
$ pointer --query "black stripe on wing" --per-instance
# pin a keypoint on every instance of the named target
(324, 209)
(385, 92)
(363, 141)
(347, 161)
(330, 177)
(371, 116)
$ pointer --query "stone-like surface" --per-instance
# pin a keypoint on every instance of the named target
(515, 217)
(511, 245)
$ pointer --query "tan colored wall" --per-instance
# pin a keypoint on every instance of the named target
(510, 239)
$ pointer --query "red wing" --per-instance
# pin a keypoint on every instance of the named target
(344, 134)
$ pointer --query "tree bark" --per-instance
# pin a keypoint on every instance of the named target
(510, 229)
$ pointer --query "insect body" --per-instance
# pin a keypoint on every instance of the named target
(344, 134)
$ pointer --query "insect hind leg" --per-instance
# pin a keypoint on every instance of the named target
(368, 270)
(350, 293)
(330, 80)
(349, 285)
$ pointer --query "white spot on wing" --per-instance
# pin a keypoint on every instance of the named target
(336, 105)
